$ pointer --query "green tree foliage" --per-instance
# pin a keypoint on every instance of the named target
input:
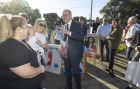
(14, 7)
(127, 7)
(50, 19)
(124, 7)
(35, 14)
(76, 18)
(111, 9)
(19, 6)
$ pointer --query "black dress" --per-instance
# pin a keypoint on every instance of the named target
(14, 54)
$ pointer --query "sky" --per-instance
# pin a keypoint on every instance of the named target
(77, 7)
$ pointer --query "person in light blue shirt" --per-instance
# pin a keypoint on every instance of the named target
(103, 31)
(59, 35)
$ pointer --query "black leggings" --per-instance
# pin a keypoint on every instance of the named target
(111, 58)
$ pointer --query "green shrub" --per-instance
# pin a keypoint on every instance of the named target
(121, 47)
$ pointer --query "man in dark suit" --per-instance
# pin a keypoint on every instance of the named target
(74, 51)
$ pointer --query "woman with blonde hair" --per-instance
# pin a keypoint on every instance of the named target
(37, 24)
(40, 27)
(34, 42)
(5, 27)
(19, 68)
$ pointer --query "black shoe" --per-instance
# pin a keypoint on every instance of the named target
(107, 70)
(111, 74)
(128, 87)
(68, 87)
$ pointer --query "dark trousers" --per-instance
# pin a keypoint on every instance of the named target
(104, 43)
(40, 87)
(111, 58)
(72, 63)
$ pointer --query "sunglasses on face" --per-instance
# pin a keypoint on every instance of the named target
(42, 25)
(105, 20)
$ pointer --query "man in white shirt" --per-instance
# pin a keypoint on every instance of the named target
(134, 26)
(103, 31)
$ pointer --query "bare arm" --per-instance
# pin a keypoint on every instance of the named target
(42, 45)
(27, 71)
(102, 38)
(110, 38)
(128, 38)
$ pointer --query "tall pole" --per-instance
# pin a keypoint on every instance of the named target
(91, 12)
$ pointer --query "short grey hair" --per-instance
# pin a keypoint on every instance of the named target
(67, 11)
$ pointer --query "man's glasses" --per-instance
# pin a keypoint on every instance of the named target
(65, 15)
(42, 25)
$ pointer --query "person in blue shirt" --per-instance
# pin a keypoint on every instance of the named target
(59, 36)
(103, 31)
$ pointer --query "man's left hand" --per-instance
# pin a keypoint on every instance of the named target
(63, 30)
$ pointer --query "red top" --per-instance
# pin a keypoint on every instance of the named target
(91, 46)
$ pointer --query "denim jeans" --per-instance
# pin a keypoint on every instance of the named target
(104, 43)
(128, 52)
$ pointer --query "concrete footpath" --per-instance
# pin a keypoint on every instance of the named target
(95, 78)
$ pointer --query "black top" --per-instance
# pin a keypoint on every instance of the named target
(95, 26)
(136, 40)
(84, 27)
(14, 54)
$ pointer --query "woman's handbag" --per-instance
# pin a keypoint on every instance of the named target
(136, 56)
